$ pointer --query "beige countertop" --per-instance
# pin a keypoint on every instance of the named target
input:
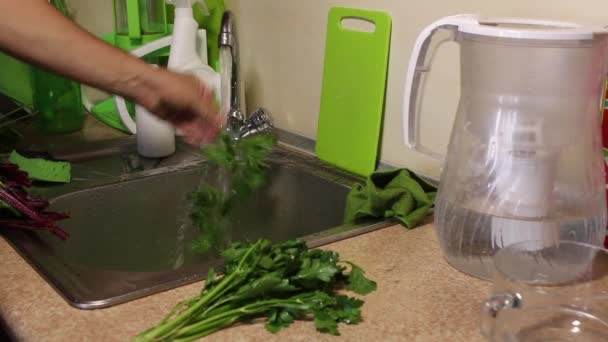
(419, 298)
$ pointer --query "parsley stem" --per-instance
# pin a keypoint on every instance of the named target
(210, 330)
(240, 312)
(283, 282)
(169, 327)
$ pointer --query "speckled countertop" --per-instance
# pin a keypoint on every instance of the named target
(419, 298)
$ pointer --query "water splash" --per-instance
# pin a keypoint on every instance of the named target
(226, 78)
(184, 223)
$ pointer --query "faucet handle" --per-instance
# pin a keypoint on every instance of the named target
(260, 121)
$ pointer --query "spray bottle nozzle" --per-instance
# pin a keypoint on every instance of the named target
(189, 4)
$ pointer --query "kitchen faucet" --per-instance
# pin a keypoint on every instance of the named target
(238, 124)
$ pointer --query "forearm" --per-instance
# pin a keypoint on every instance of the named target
(35, 31)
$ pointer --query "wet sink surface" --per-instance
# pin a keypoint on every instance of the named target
(130, 236)
(144, 225)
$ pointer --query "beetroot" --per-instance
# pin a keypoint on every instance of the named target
(28, 213)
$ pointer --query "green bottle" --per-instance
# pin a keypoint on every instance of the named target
(58, 102)
(56, 99)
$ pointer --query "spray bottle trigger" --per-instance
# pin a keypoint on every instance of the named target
(190, 3)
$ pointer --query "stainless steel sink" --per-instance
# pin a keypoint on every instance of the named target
(130, 229)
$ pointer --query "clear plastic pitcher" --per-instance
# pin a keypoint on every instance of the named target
(524, 160)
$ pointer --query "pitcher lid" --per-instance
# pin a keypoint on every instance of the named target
(521, 28)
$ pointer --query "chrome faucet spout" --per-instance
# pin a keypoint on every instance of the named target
(228, 40)
(239, 124)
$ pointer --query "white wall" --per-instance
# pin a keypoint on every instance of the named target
(282, 46)
(95, 15)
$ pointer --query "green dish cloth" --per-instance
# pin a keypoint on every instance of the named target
(43, 169)
(395, 193)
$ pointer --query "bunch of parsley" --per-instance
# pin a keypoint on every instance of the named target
(282, 282)
(241, 169)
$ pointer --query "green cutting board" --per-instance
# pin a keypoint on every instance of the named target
(352, 96)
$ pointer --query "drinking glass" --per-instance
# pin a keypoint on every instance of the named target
(548, 292)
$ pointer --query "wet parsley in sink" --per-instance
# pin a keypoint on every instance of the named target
(241, 169)
(282, 282)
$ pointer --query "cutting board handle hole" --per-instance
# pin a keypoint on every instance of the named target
(358, 24)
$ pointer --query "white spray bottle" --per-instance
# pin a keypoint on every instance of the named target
(155, 137)
(188, 54)
(189, 45)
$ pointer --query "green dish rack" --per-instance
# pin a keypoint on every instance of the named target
(16, 80)
(56, 100)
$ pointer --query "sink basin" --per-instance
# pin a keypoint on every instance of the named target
(130, 231)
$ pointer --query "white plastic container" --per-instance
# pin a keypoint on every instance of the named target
(155, 138)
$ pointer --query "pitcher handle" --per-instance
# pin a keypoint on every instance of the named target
(493, 306)
(141, 51)
(419, 65)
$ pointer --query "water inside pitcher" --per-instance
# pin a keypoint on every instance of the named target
(524, 160)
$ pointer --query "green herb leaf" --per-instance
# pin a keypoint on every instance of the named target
(279, 319)
(211, 277)
(259, 287)
(315, 269)
(358, 283)
(349, 309)
(239, 166)
(283, 282)
(324, 322)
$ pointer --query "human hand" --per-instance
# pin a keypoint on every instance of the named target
(184, 101)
